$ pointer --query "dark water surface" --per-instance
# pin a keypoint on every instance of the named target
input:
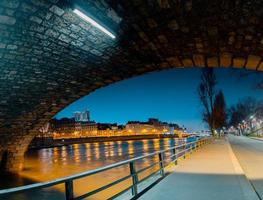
(48, 164)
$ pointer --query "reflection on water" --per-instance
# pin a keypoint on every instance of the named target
(47, 164)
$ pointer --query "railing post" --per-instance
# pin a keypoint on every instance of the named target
(175, 156)
(191, 148)
(185, 147)
(69, 189)
(199, 144)
(134, 178)
(161, 163)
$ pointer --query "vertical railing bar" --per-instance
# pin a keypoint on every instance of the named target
(134, 178)
(175, 156)
(69, 190)
(185, 147)
(198, 145)
(161, 164)
(192, 148)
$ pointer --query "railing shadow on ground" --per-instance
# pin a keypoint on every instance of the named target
(137, 182)
(205, 186)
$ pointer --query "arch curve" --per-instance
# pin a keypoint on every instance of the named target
(50, 57)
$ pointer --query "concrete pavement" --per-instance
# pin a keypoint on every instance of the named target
(256, 138)
(212, 173)
(249, 152)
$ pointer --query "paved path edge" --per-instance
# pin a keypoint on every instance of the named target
(246, 186)
(255, 138)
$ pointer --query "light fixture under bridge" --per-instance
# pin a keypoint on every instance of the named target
(93, 23)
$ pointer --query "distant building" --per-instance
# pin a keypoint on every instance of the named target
(153, 121)
(152, 126)
(62, 127)
(107, 126)
(82, 116)
(81, 127)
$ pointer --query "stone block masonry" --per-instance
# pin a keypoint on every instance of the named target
(49, 57)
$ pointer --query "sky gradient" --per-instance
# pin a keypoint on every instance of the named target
(170, 95)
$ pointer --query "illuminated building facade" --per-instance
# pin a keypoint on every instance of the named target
(67, 128)
(153, 126)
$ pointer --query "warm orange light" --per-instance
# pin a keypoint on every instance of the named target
(144, 130)
(145, 145)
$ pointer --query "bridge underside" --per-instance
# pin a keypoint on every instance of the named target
(50, 57)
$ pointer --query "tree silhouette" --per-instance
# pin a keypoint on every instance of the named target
(206, 91)
(219, 112)
(214, 113)
(242, 110)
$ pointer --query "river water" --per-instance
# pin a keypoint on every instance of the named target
(51, 163)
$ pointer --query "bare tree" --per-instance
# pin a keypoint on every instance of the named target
(219, 112)
(206, 91)
(242, 110)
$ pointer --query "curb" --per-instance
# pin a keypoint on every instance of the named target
(254, 138)
(247, 187)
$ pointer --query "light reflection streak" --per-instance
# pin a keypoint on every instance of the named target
(96, 150)
(130, 147)
(46, 164)
(166, 142)
(88, 151)
(156, 144)
(119, 151)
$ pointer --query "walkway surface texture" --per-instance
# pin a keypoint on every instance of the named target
(249, 153)
(211, 173)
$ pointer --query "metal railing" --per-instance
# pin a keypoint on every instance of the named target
(133, 173)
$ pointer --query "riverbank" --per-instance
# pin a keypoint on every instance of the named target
(39, 143)
(48, 164)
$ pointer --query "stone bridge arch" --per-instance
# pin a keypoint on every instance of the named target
(50, 57)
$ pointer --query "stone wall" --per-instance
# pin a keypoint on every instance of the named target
(50, 57)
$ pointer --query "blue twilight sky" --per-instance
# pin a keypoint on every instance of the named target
(170, 95)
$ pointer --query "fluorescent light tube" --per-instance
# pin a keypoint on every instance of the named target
(94, 23)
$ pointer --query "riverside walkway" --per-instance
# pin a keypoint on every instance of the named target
(212, 173)
(249, 153)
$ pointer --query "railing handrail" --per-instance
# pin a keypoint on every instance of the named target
(87, 173)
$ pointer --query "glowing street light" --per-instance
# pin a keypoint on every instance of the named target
(93, 23)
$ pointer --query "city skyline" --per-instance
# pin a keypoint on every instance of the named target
(152, 94)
